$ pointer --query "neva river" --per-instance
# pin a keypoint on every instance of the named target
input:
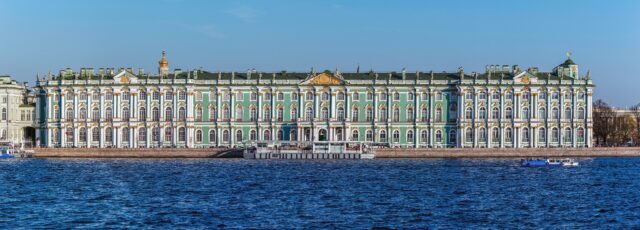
(222, 193)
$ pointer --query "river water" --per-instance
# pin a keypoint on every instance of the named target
(275, 194)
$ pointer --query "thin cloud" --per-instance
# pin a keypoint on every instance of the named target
(247, 14)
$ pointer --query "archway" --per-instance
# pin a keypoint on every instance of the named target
(29, 136)
(322, 135)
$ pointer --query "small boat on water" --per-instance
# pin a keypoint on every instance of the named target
(7, 152)
(567, 162)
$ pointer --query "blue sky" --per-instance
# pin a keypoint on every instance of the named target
(604, 36)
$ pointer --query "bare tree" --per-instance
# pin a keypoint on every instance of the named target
(603, 122)
(635, 110)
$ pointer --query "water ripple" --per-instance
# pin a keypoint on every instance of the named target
(224, 193)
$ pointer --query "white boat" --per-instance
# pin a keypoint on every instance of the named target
(568, 162)
(7, 152)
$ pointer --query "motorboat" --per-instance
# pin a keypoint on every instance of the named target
(7, 152)
(567, 162)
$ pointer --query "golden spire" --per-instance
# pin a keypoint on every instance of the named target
(163, 61)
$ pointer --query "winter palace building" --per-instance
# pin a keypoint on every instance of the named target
(503, 107)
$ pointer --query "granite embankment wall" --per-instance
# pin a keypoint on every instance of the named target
(380, 153)
(488, 153)
(137, 153)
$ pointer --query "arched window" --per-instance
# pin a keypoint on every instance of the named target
(199, 113)
(143, 114)
(423, 136)
(309, 96)
(495, 95)
(280, 114)
(542, 113)
(294, 96)
(581, 113)
(468, 95)
(468, 135)
(383, 136)
(542, 135)
(82, 134)
(294, 114)
(212, 136)
(182, 114)
(266, 113)
(95, 114)
(125, 134)
(225, 113)
(356, 114)
(555, 95)
(525, 113)
(95, 134)
(252, 135)
(225, 136)
(410, 96)
(369, 135)
(567, 135)
(495, 113)
(108, 135)
(280, 96)
(155, 134)
(239, 137)
(424, 114)
(266, 135)
(182, 134)
(482, 135)
(83, 113)
(108, 113)
(409, 136)
(383, 113)
(168, 114)
(369, 96)
(340, 114)
(396, 114)
(410, 114)
(69, 114)
(396, 96)
(280, 135)
(69, 134)
(340, 96)
(555, 114)
(554, 135)
(253, 114)
(309, 114)
(239, 113)
(483, 113)
(438, 136)
(509, 113)
(125, 114)
(567, 113)
(143, 95)
(508, 135)
(325, 113)
(168, 134)
(155, 114)
(452, 136)
(356, 96)
(142, 134)
(525, 134)
(580, 134)
(354, 135)
(482, 95)
(468, 114)
(495, 135)
(370, 114)
(438, 114)
(325, 96)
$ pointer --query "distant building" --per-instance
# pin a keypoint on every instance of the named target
(17, 113)
(504, 107)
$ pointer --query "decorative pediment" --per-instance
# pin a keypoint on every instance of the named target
(525, 78)
(323, 79)
(125, 77)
